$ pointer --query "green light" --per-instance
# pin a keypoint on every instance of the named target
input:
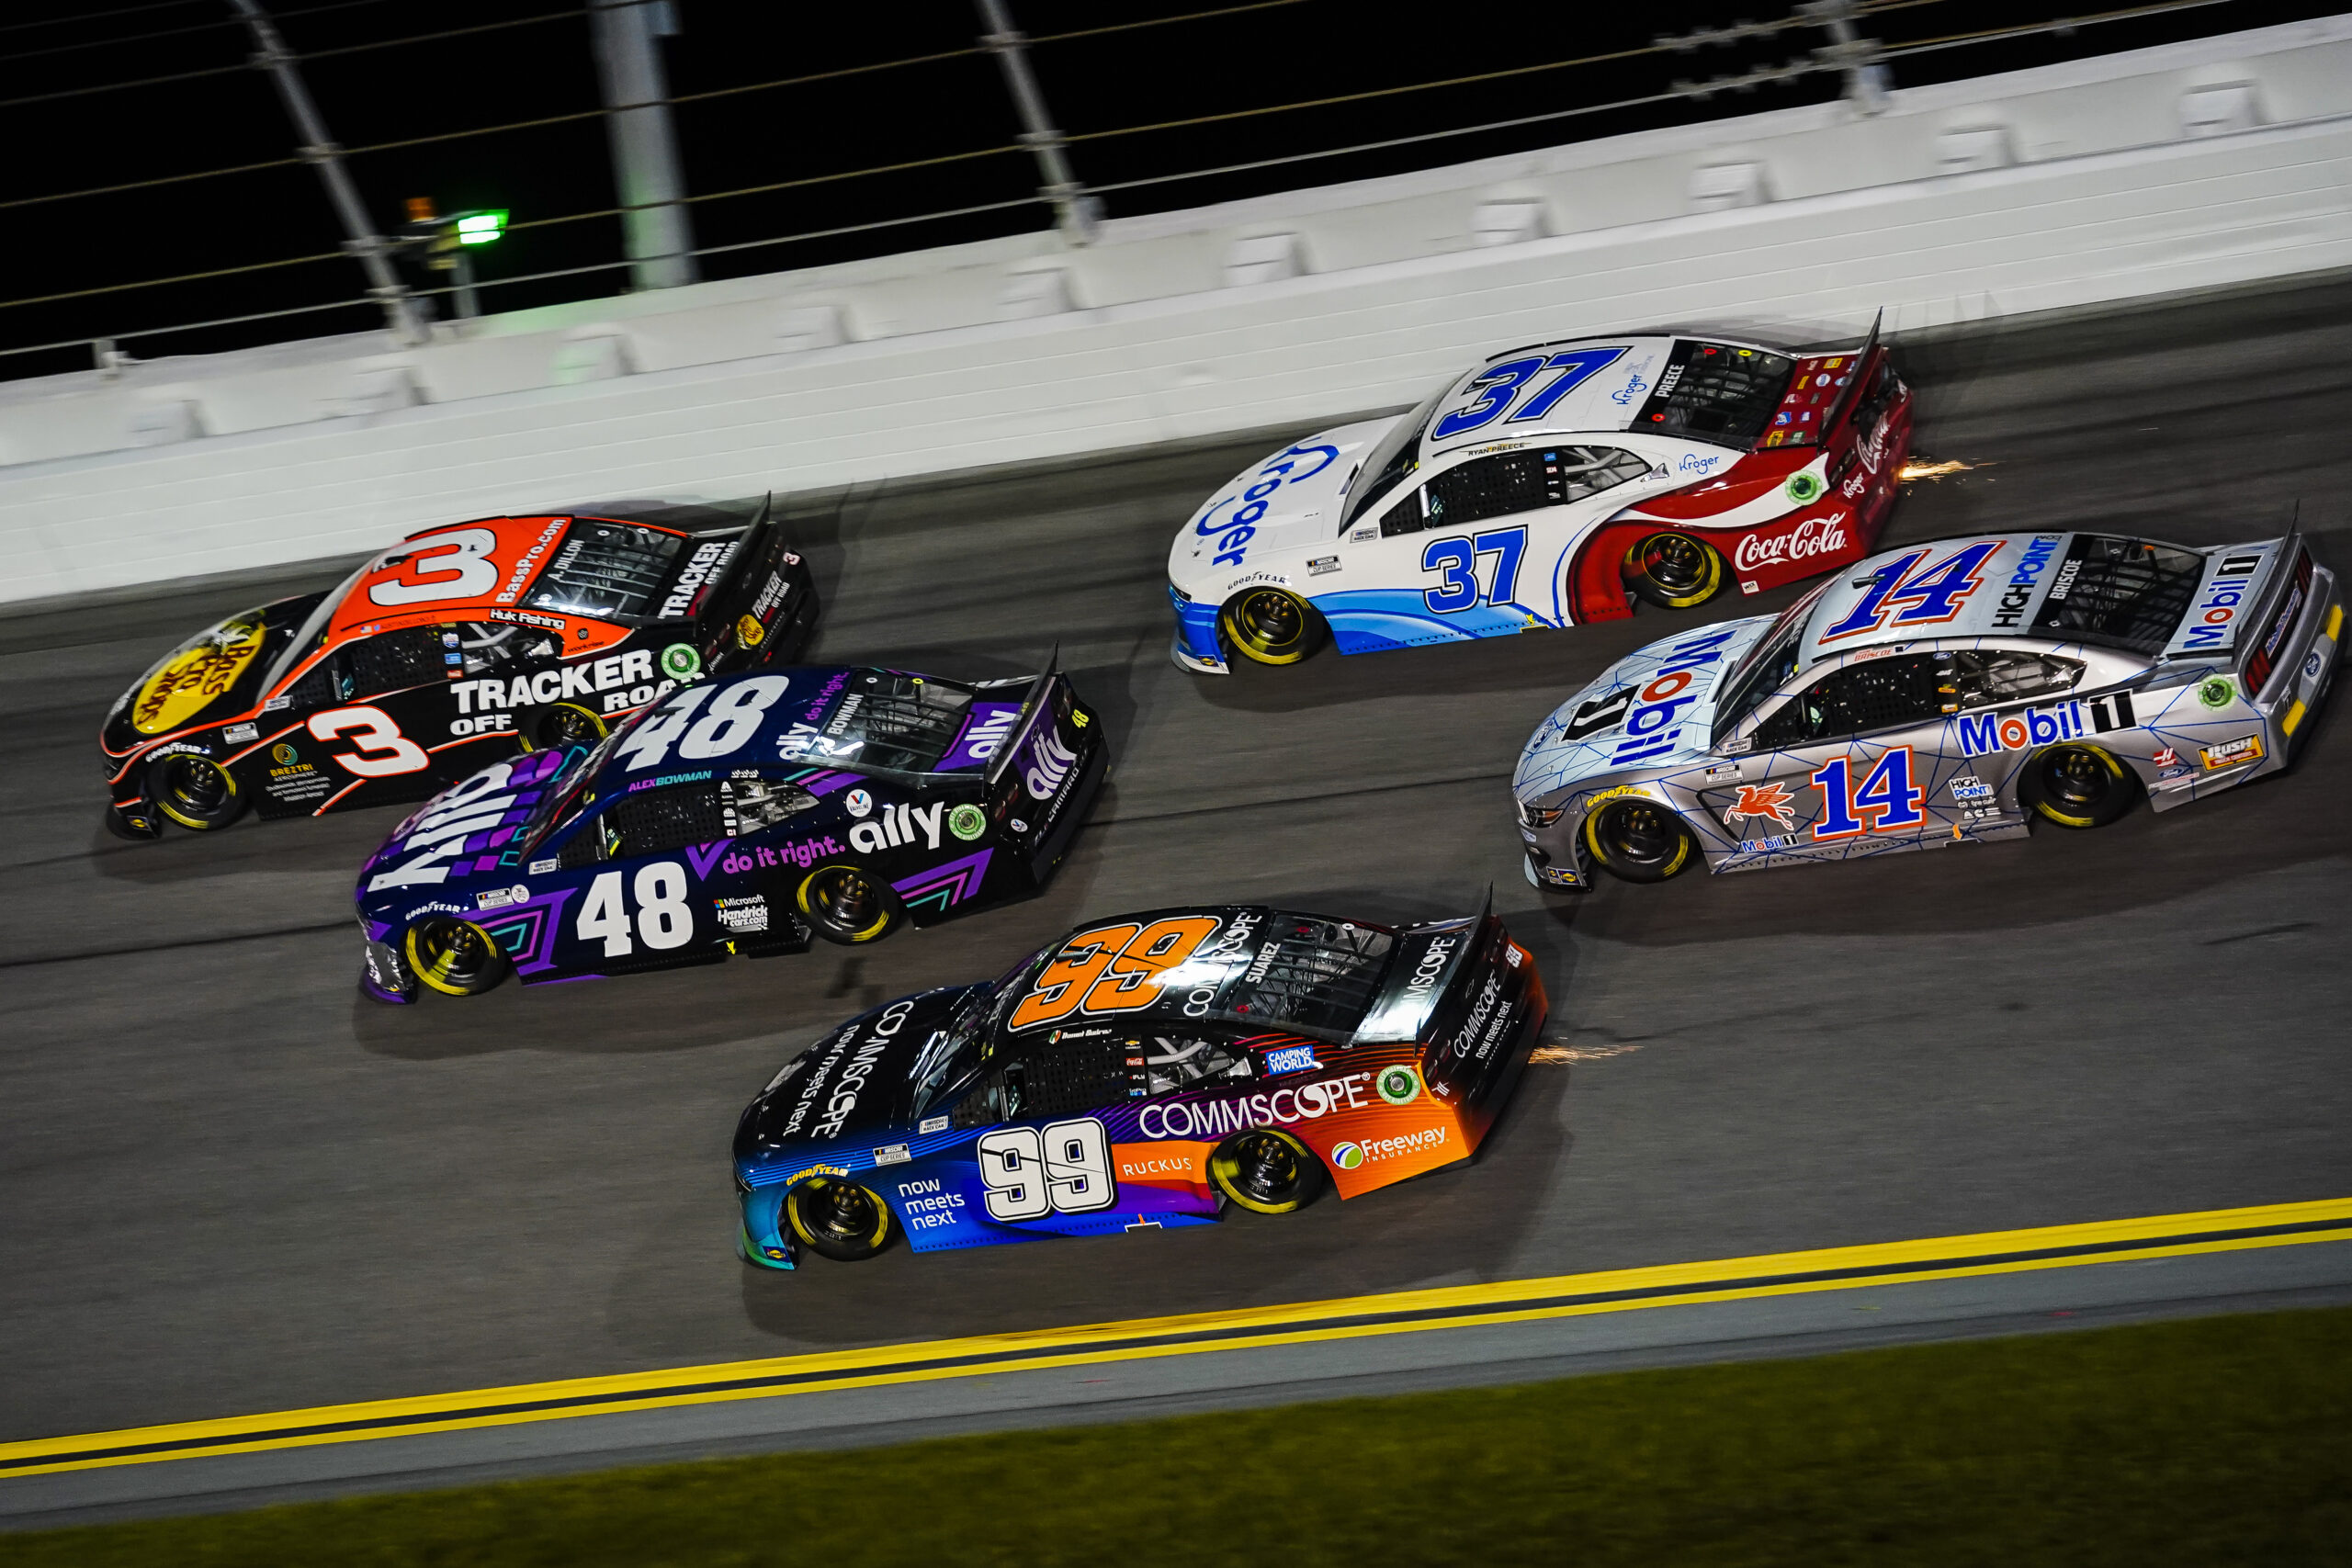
(480, 228)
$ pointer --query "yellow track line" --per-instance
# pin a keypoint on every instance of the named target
(1354, 1317)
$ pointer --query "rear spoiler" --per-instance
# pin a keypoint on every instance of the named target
(1031, 705)
(1849, 394)
(1429, 959)
(754, 537)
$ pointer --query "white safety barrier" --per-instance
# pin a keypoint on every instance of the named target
(2220, 162)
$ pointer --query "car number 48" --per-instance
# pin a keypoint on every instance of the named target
(664, 920)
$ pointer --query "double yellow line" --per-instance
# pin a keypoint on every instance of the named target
(1354, 1317)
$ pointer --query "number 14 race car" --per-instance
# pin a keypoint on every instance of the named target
(1941, 694)
(458, 645)
(1142, 1072)
(1542, 489)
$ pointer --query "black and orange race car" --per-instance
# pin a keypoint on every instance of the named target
(459, 646)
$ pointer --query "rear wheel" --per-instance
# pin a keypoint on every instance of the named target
(848, 907)
(1266, 1171)
(456, 958)
(1638, 840)
(562, 726)
(839, 1220)
(1673, 571)
(1271, 625)
(2079, 786)
(195, 792)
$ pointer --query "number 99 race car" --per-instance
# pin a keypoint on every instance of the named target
(1142, 1072)
(1542, 489)
(1941, 694)
(457, 645)
(740, 814)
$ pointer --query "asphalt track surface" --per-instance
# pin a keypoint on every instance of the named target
(229, 1184)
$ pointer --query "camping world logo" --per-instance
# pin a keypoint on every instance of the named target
(1347, 1156)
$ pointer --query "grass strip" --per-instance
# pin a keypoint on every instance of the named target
(2210, 1441)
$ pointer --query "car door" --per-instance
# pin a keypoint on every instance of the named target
(1479, 548)
(657, 873)
(368, 714)
(1048, 1164)
(1847, 763)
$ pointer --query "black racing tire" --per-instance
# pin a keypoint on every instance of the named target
(1637, 840)
(195, 792)
(1267, 1172)
(1271, 625)
(845, 905)
(1673, 572)
(2078, 785)
(837, 1219)
(455, 958)
(562, 726)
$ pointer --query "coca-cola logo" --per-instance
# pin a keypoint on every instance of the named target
(1814, 536)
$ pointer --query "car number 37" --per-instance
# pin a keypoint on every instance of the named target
(665, 919)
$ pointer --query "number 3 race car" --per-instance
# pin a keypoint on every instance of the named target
(1142, 1072)
(1941, 694)
(738, 815)
(457, 645)
(1539, 491)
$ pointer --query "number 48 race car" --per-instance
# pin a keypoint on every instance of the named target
(1940, 694)
(1142, 1072)
(1542, 489)
(457, 646)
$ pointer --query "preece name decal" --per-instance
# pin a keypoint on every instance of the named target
(1654, 725)
(1814, 536)
(1217, 1118)
(701, 566)
(1982, 735)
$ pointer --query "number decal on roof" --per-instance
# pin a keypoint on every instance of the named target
(1930, 592)
(454, 566)
(722, 731)
(1115, 968)
(1501, 384)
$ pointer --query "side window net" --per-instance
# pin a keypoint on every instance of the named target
(655, 821)
(1079, 1075)
(746, 805)
(390, 661)
(1859, 698)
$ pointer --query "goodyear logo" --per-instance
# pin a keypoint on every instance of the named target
(193, 677)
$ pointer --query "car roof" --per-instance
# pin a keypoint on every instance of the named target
(808, 691)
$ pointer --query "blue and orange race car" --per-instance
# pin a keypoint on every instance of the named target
(1142, 1072)
(740, 815)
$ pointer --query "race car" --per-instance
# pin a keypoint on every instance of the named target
(740, 814)
(457, 645)
(1552, 484)
(1945, 693)
(1142, 1072)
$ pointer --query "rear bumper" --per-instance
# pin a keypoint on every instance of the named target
(1047, 854)
(2306, 668)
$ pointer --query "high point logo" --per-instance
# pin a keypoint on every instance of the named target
(2009, 612)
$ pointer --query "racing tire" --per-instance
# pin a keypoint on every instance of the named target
(561, 726)
(2078, 785)
(1673, 572)
(1267, 1172)
(195, 792)
(455, 958)
(1270, 626)
(839, 1220)
(1635, 840)
(845, 905)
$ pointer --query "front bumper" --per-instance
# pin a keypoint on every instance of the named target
(760, 1236)
(1196, 646)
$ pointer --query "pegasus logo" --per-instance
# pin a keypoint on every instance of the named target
(1765, 800)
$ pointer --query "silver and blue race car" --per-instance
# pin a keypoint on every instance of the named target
(1944, 692)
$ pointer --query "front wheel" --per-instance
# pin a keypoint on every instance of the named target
(195, 792)
(1673, 571)
(2079, 786)
(1266, 1171)
(1271, 625)
(558, 726)
(1638, 840)
(456, 958)
(839, 1220)
(846, 906)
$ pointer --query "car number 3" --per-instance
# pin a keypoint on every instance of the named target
(1064, 1167)
(664, 920)
(455, 565)
(383, 751)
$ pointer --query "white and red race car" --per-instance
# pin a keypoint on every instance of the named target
(1552, 484)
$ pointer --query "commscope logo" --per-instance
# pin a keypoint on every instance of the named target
(861, 1068)
(1217, 1118)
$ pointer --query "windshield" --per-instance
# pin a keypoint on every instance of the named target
(890, 720)
(1767, 667)
(2124, 592)
(1388, 464)
(952, 1050)
(556, 805)
(607, 569)
(1313, 975)
(314, 631)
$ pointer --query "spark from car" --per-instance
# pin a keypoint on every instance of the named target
(1926, 468)
(1561, 1055)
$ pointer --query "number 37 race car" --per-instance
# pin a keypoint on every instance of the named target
(1945, 693)
(1142, 1072)
(457, 646)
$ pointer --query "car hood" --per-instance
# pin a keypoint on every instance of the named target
(1273, 513)
(852, 1088)
(1652, 709)
(475, 828)
(215, 674)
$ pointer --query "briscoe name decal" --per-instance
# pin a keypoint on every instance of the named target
(703, 565)
(1982, 735)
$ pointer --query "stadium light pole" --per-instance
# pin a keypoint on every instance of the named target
(1075, 212)
(320, 152)
(655, 232)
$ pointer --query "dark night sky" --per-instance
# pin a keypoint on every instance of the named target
(1309, 49)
